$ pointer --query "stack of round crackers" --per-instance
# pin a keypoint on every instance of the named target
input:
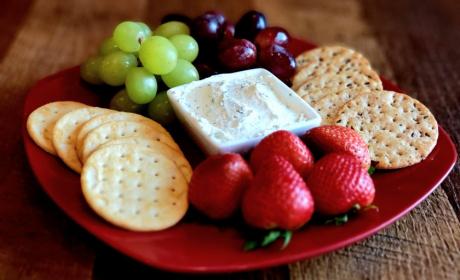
(133, 173)
(342, 86)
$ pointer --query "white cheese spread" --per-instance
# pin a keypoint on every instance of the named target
(230, 110)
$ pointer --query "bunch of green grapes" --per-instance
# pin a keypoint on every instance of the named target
(136, 58)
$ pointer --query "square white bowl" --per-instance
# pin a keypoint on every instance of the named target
(308, 117)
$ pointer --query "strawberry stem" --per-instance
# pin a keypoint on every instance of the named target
(287, 235)
(271, 237)
(266, 238)
(371, 170)
(337, 220)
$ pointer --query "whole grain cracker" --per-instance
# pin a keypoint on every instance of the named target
(399, 130)
(134, 188)
(353, 80)
(327, 60)
(65, 134)
(160, 148)
(328, 106)
(115, 116)
(331, 70)
(120, 129)
(41, 121)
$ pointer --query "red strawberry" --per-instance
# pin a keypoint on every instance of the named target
(334, 138)
(338, 182)
(218, 184)
(285, 144)
(277, 197)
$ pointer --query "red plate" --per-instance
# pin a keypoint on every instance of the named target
(205, 248)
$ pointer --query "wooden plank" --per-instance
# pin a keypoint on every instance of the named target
(423, 245)
(12, 16)
(420, 40)
(37, 241)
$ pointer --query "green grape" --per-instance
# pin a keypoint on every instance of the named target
(171, 28)
(145, 29)
(158, 55)
(160, 109)
(89, 70)
(108, 46)
(141, 85)
(115, 66)
(121, 102)
(187, 47)
(128, 36)
(184, 73)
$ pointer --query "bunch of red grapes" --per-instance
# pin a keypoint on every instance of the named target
(225, 47)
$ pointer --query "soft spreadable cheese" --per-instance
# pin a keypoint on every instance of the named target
(233, 112)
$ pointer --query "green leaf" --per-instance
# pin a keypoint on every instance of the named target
(371, 170)
(338, 220)
(287, 235)
(271, 237)
(250, 245)
(265, 238)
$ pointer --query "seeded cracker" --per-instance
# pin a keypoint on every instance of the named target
(121, 129)
(324, 74)
(329, 105)
(399, 130)
(160, 148)
(65, 134)
(134, 188)
(115, 116)
(40, 122)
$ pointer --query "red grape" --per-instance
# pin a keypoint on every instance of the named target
(228, 30)
(270, 36)
(217, 15)
(205, 70)
(277, 60)
(250, 24)
(237, 54)
(205, 29)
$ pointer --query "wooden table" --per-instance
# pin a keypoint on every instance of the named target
(415, 43)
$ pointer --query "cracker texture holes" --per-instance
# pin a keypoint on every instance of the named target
(396, 138)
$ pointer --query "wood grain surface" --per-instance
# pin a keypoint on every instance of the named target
(415, 43)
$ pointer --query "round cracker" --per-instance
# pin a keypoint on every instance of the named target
(113, 130)
(115, 116)
(160, 148)
(328, 60)
(352, 80)
(41, 121)
(399, 130)
(332, 70)
(134, 188)
(65, 134)
(328, 106)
